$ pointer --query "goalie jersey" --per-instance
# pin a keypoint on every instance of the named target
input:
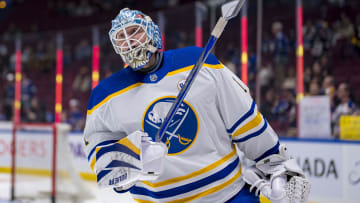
(217, 114)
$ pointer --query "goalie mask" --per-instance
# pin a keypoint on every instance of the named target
(135, 37)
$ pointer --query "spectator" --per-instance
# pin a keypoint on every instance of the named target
(268, 105)
(280, 44)
(75, 117)
(328, 88)
(322, 40)
(28, 91)
(280, 50)
(266, 76)
(346, 27)
(309, 32)
(290, 80)
(84, 9)
(36, 111)
(317, 72)
(83, 50)
(48, 62)
(40, 52)
(4, 59)
(307, 77)
(291, 113)
(32, 64)
(325, 64)
(343, 28)
(25, 56)
(285, 110)
(346, 107)
(8, 95)
(82, 82)
(314, 88)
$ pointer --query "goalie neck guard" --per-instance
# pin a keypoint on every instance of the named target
(135, 37)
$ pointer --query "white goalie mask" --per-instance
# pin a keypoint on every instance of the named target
(135, 37)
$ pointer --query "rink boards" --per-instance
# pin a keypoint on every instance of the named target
(333, 167)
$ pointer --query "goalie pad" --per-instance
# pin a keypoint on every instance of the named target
(133, 158)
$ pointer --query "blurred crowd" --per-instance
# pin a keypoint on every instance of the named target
(320, 39)
(276, 75)
(325, 44)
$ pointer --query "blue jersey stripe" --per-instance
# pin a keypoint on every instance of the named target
(118, 163)
(102, 174)
(100, 144)
(188, 187)
(244, 117)
(117, 148)
(253, 134)
(273, 150)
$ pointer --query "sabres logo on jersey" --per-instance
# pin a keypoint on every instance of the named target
(183, 129)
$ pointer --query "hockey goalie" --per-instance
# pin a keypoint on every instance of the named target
(197, 159)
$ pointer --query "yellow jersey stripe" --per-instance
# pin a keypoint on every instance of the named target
(216, 66)
(89, 112)
(93, 161)
(209, 191)
(250, 125)
(126, 142)
(193, 174)
(179, 70)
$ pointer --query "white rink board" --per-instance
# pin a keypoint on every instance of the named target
(329, 165)
(333, 168)
(36, 148)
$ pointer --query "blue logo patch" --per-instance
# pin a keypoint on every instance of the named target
(182, 130)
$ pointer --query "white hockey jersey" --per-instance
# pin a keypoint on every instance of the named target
(218, 113)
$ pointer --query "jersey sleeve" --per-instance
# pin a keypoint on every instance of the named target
(248, 129)
(96, 135)
(113, 155)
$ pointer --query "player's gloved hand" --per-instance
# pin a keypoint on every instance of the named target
(133, 158)
(152, 157)
(278, 178)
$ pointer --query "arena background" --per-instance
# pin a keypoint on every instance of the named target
(300, 60)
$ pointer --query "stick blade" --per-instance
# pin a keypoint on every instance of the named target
(231, 9)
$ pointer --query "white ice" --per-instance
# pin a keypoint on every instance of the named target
(29, 186)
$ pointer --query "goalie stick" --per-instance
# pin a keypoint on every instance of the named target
(228, 11)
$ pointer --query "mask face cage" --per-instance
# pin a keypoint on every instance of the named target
(135, 38)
